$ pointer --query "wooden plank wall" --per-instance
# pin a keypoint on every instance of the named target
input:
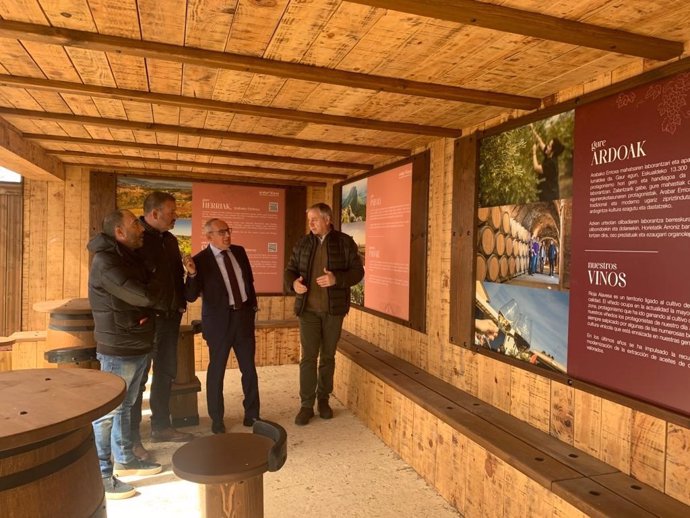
(651, 449)
(56, 227)
(10, 257)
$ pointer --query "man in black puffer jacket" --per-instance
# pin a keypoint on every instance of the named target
(324, 265)
(161, 253)
(119, 293)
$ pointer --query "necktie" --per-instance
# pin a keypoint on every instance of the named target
(234, 286)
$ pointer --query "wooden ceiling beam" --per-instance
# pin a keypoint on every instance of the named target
(192, 163)
(257, 157)
(172, 174)
(537, 25)
(201, 132)
(26, 158)
(250, 64)
(197, 103)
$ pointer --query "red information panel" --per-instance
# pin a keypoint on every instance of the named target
(388, 242)
(257, 218)
(630, 302)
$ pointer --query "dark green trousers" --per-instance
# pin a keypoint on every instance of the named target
(319, 334)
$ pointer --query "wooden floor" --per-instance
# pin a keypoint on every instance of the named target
(335, 468)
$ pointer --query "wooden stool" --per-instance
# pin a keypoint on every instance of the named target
(49, 463)
(230, 468)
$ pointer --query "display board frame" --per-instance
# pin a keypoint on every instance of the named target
(418, 236)
(295, 206)
(464, 242)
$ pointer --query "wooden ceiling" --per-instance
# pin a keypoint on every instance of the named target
(300, 90)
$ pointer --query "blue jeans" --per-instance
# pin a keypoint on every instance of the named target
(113, 431)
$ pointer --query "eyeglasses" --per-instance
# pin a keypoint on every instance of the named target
(221, 231)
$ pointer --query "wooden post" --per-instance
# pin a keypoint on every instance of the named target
(241, 499)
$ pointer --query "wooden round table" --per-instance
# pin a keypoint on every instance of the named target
(230, 466)
(49, 464)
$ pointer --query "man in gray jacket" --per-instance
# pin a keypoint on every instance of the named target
(119, 293)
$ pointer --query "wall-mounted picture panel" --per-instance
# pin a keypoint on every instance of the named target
(582, 236)
(256, 215)
(385, 213)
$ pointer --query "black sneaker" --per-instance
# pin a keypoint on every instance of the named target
(117, 490)
(137, 467)
(304, 415)
(325, 410)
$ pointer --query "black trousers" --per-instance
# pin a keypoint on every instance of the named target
(164, 358)
(239, 336)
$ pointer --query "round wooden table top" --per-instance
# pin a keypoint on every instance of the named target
(65, 306)
(222, 458)
(38, 404)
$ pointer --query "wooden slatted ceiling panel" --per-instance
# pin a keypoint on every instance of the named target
(326, 33)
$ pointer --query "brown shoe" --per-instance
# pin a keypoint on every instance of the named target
(304, 415)
(325, 411)
(140, 452)
(170, 435)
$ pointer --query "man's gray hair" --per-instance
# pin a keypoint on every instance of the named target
(324, 209)
(208, 226)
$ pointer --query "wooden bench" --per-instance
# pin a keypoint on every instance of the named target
(474, 453)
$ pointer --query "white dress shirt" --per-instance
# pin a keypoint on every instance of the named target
(217, 253)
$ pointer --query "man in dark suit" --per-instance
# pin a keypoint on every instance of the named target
(222, 275)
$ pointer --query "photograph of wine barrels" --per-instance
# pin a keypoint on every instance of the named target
(345, 258)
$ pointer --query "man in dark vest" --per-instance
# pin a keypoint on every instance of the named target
(324, 265)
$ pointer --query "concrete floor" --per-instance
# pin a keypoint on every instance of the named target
(336, 468)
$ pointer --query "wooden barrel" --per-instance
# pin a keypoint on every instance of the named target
(500, 242)
(523, 249)
(495, 218)
(483, 214)
(71, 325)
(514, 228)
(49, 463)
(492, 268)
(481, 267)
(505, 222)
(69, 337)
(486, 240)
(503, 267)
(512, 268)
(59, 478)
(509, 246)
